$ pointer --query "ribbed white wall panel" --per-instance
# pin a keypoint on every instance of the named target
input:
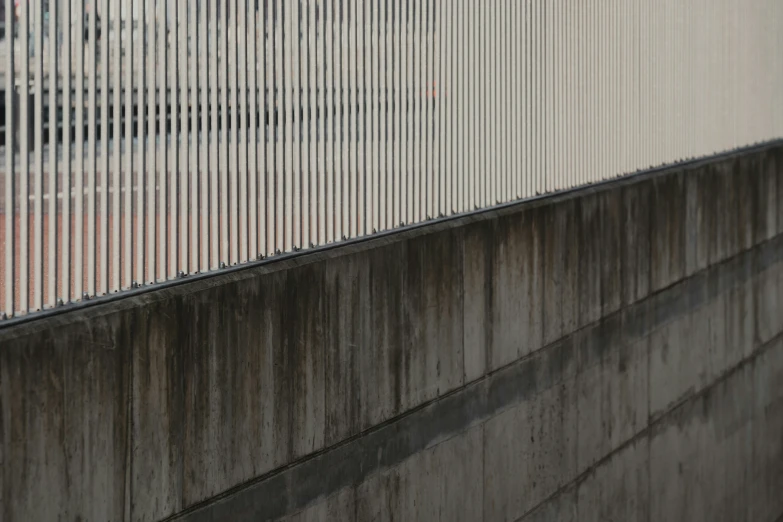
(147, 139)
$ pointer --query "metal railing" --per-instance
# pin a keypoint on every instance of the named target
(158, 139)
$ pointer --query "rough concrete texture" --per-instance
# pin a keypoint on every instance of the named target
(608, 354)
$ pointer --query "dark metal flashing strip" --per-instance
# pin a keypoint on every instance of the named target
(343, 247)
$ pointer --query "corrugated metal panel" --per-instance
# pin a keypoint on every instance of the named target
(220, 132)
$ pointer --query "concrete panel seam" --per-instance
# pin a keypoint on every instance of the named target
(462, 422)
(655, 424)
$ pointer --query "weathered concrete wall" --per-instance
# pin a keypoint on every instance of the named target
(615, 353)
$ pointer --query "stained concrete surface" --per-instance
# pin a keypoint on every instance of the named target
(520, 364)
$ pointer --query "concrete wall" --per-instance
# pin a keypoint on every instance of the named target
(612, 354)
